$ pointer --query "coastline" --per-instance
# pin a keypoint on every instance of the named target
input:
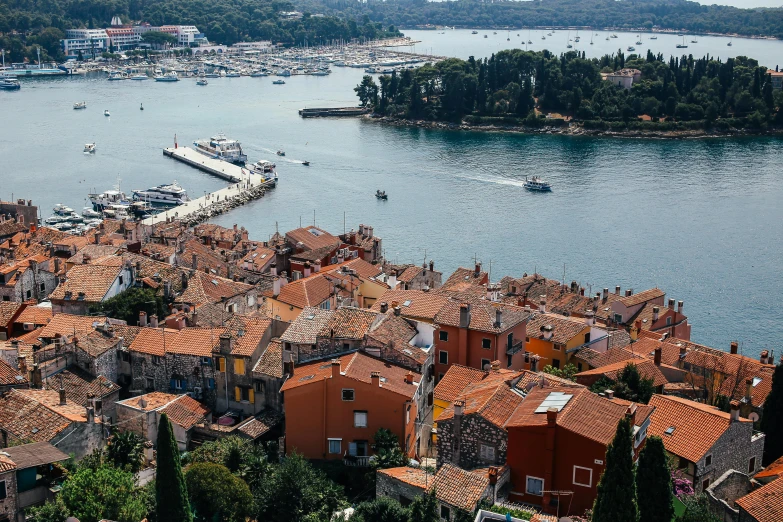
(570, 130)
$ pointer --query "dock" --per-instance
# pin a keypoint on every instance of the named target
(245, 187)
(332, 111)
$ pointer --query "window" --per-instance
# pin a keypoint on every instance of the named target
(29, 294)
(485, 364)
(348, 395)
(579, 367)
(752, 465)
(3, 492)
(668, 321)
(587, 337)
(155, 359)
(486, 343)
(556, 363)
(510, 340)
(705, 484)
(242, 394)
(429, 399)
(583, 476)
(260, 386)
(220, 362)
(443, 335)
(120, 279)
(6, 298)
(556, 347)
(487, 453)
(534, 486)
(708, 460)
(335, 446)
(445, 513)
(360, 419)
(43, 287)
(206, 361)
(150, 383)
(618, 318)
(408, 415)
(443, 357)
(239, 366)
(178, 384)
(358, 448)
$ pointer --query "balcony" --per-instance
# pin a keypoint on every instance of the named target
(515, 348)
(357, 461)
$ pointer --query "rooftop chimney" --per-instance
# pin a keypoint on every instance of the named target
(656, 313)
(735, 411)
(375, 377)
(384, 307)
(683, 353)
(307, 271)
(142, 319)
(629, 292)
(551, 416)
(542, 304)
(734, 347)
(609, 394)
(464, 315)
(409, 377)
(225, 343)
(317, 266)
(63, 400)
(748, 390)
(459, 407)
(606, 293)
(90, 415)
(548, 331)
(432, 266)
(154, 321)
(631, 413)
(657, 359)
(397, 311)
(336, 368)
(764, 357)
(273, 269)
(589, 318)
(493, 475)
(477, 270)
(276, 287)
(495, 365)
(679, 306)
(194, 261)
(671, 304)
(617, 289)
(498, 318)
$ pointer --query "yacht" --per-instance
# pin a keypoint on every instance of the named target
(80, 105)
(117, 75)
(171, 195)
(220, 147)
(106, 112)
(61, 210)
(212, 75)
(537, 184)
(139, 77)
(88, 212)
(106, 199)
(682, 45)
(202, 81)
(117, 211)
(89, 148)
(168, 77)
(9, 84)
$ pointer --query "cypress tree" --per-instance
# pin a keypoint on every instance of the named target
(616, 499)
(171, 493)
(654, 483)
(772, 419)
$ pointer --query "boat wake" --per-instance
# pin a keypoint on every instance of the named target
(280, 159)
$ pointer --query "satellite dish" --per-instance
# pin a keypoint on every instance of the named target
(754, 417)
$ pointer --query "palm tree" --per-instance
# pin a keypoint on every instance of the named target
(126, 451)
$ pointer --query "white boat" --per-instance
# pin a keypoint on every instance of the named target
(117, 75)
(139, 77)
(233, 74)
(61, 210)
(631, 48)
(537, 184)
(89, 148)
(168, 77)
(278, 82)
(212, 75)
(88, 212)
(202, 81)
(9, 84)
(171, 195)
(474, 32)
(106, 112)
(220, 147)
(106, 199)
(80, 105)
(117, 211)
(653, 38)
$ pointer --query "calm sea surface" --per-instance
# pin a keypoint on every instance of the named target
(702, 219)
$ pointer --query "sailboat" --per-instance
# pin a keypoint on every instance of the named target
(682, 45)
(591, 37)
(529, 41)
(508, 38)
(569, 46)
(640, 40)
(729, 44)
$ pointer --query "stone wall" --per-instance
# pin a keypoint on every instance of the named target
(732, 451)
(725, 491)
(79, 439)
(386, 486)
(474, 431)
(29, 286)
(194, 371)
(105, 364)
(9, 503)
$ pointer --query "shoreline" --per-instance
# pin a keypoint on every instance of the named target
(570, 130)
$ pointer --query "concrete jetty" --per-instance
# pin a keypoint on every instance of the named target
(216, 167)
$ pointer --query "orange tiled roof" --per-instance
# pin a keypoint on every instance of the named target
(483, 315)
(530, 380)
(492, 399)
(564, 330)
(459, 488)
(308, 291)
(764, 504)
(348, 323)
(775, 469)
(7, 311)
(38, 315)
(466, 280)
(647, 370)
(363, 269)
(67, 324)
(642, 297)
(10, 376)
(697, 427)
(247, 332)
(417, 477)
(151, 401)
(271, 361)
(358, 366)
(409, 274)
(185, 411)
(397, 333)
(260, 424)
(205, 288)
(6, 464)
(94, 280)
(304, 329)
(96, 343)
(258, 259)
(312, 237)
(80, 385)
(420, 304)
(456, 379)
(151, 341)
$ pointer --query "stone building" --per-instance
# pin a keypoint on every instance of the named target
(142, 414)
(269, 374)
(96, 352)
(88, 285)
(33, 278)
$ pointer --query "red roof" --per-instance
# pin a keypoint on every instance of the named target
(766, 503)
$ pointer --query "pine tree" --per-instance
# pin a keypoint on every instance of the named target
(616, 499)
(654, 483)
(772, 419)
(170, 491)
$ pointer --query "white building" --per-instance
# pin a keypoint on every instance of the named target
(624, 78)
(84, 40)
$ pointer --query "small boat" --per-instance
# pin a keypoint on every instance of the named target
(474, 32)
(631, 49)
(278, 82)
(202, 81)
(106, 113)
(653, 38)
(614, 36)
(306, 163)
(139, 77)
(89, 148)
(682, 45)
(280, 153)
(485, 36)
(381, 194)
(141, 108)
(80, 105)
(729, 44)
(569, 46)
(233, 74)
(116, 76)
(9, 84)
(88, 212)
(168, 77)
(62, 210)
(537, 184)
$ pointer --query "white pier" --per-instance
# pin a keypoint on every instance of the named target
(216, 167)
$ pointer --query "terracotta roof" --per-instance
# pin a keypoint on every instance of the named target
(92, 252)
(531, 286)
(35, 454)
(540, 517)
(312, 237)
(764, 504)
(773, 470)
(152, 401)
(348, 323)
(304, 329)
(94, 280)
(456, 379)
(647, 370)
(564, 330)
(205, 288)
(642, 297)
(150, 341)
(35, 415)
(308, 291)
(409, 274)
(585, 414)
(466, 280)
(358, 366)
(420, 304)
(459, 488)
(697, 427)
(417, 477)
(261, 424)
(611, 356)
(271, 361)
(10, 376)
(396, 332)
(492, 399)
(258, 259)
(362, 268)
(128, 333)
(67, 324)
(6, 464)
(185, 411)
(80, 385)
(247, 332)
(530, 380)
(96, 343)
(483, 315)
(37, 315)
(8, 310)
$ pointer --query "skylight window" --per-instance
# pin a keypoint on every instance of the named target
(315, 232)
(306, 378)
(310, 317)
(669, 430)
(407, 303)
(214, 282)
(556, 400)
(756, 381)
(263, 256)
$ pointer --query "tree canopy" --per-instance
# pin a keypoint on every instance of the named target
(104, 493)
(616, 497)
(654, 483)
(171, 493)
(629, 385)
(217, 495)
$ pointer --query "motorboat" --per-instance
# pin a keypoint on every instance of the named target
(80, 105)
(653, 38)
(202, 81)
(233, 74)
(262, 167)
(729, 44)
(278, 82)
(106, 112)
(89, 148)
(474, 32)
(631, 48)
(117, 75)
(139, 77)
(88, 212)
(306, 163)
(220, 147)
(537, 184)
(170, 195)
(106, 199)
(381, 194)
(9, 84)
(280, 153)
(62, 210)
(168, 77)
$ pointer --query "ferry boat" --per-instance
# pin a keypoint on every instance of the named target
(80, 105)
(220, 147)
(170, 195)
(537, 184)
(89, 148)
(9, 84)
(106, 199)
(168, 77)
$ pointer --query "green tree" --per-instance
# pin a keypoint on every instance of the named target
(367, 91)
(388, 453)
(104, 493)
(127, 305)
(463, 516)
(616, 495)
(424, 508)
(772, 419)
(629, 385)
(52, 511)
(217, 495)
(697, 509)
(126, 451)
(566, 372)
(382, 509)
(170, 492)
(654, 480)
(158, 38)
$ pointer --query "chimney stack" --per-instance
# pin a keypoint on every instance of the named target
(683, 353)
(764, 357)
(735, 411)
(194, 261)
(154, 321)
(432, 266)
(397, 311)
(656, 313)
(734, 347)
(671, 304)
(631, 413)
(336, 368)
(658, 352)
(606, 293)
(551, 417)
(225, 343)
(617, 289)
(493, 475)
(589, 318)
(477, 270)
(90, 415)
(679, 306)
(142, 319)
(273, 269)
(307, 272)
(276, 286)
(629, 292)
(63, 400)
(495, 366)
(384, 307)
(548, 331)
(409, 377)
(542, 304)
(464, 315)
(375, 377)
(748, 390)
(498, 318)
(459, 407)
(609, 394)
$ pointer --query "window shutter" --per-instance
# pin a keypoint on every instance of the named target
(239, 366)
(173, 384)
(221, 364)
(211, 384)
(251, 396)
(237, 394)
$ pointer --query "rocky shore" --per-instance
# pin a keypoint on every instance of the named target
(221, 207)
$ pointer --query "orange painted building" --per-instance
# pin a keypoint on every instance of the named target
(475, 334)
(334, 408)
